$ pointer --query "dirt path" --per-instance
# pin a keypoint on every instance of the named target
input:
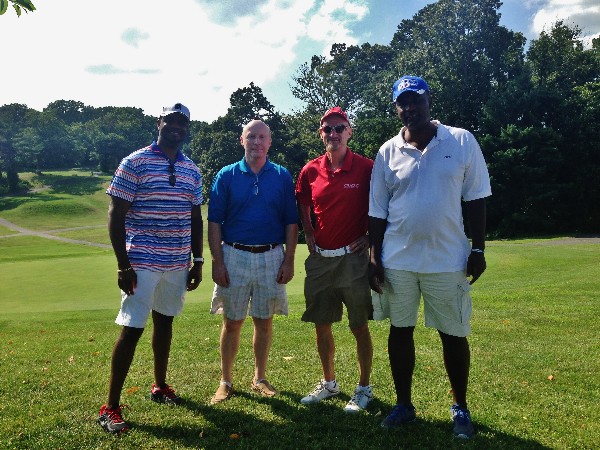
(24, 231)
(48, 235)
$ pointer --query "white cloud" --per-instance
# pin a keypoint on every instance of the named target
(330, 23)
(584, 13)
(146, 53)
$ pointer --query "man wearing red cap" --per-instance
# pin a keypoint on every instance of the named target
(334, 189)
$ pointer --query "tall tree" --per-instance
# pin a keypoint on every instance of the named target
(566, 75)
(462, 51)
(13, 119)
(217, 145)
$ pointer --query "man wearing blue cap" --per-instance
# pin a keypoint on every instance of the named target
(419, 246)
(155, 226)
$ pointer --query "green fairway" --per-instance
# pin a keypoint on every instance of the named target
(535, 352)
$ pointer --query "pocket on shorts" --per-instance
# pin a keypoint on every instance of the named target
(464, 301)
(380, 311)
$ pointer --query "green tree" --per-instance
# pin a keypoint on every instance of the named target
(18, 5)
(462, 51)
(13, 119)
(29, 150)
(565, 76)
(217, 144)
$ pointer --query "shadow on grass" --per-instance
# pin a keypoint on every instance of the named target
(320, 426)
(73, 184)
(8, 203)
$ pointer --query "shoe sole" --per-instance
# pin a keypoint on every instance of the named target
(105, 428)
(312, 402)
(166, 402)
(262, 392)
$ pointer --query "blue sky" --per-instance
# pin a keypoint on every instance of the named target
(149, 53)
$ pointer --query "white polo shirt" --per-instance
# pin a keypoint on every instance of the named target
(419, 194)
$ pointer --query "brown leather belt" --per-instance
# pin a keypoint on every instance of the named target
(252, 248)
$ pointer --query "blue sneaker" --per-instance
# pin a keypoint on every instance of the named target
(463, 427)
(400, 415)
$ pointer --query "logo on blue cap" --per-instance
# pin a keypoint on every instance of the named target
(409, 83)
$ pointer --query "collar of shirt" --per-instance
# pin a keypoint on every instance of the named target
(346, 166)
(156, 149)
(245, 168)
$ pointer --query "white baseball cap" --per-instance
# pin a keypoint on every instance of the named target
(176, 108)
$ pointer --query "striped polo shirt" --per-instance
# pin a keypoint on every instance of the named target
(158, 224)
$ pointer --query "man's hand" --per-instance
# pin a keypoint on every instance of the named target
(194, 276)
(310, 241)
(360, 245)
(286, 271)
(475, 266)
(127, 280)
(376, 276)
(220, 275)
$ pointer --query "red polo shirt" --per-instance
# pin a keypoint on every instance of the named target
(339, 199)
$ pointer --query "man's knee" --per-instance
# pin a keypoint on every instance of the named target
(361, 332)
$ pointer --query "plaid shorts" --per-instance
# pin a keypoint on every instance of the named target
(253, 287)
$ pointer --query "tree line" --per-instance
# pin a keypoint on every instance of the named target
(533, 110)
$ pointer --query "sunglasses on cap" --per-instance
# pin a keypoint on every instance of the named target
(338, 129)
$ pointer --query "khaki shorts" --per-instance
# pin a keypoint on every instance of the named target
(163, 292)
(333, 282)
(446, 300)
(252, 285)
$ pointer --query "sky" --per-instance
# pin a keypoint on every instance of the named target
(152, 53)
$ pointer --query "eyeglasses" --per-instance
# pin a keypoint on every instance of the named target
(172, 177)
(338, 129)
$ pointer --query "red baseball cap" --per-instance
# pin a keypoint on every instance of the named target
(335, 111)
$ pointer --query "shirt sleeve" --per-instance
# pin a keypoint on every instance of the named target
(218, 199)
(303, 191)
(379, 198)
(291, 211)
(125, 181)
(476, 183)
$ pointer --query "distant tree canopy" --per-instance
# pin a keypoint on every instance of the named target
(18, 5)
(534, 113)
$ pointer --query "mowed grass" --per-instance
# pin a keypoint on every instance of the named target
(534, 376)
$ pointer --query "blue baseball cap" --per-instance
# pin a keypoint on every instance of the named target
(409, 83)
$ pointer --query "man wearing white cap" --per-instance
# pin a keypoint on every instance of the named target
(155, 228)
(419, 246)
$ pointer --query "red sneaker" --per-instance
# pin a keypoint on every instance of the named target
(165, 395)
(111, 419)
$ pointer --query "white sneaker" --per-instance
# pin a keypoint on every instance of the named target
(359, 401)
(321, 392)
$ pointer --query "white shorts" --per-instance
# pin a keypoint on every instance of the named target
(446, 300)
(163, 292)
(252, 282)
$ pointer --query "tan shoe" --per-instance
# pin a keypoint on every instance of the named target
(222, 394)
(264, 388)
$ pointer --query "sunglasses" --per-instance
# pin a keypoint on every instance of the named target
(338, 129)
(172, 177)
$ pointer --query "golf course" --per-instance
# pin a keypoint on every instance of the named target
(535, 349)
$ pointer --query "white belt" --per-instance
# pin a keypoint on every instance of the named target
(332, 253)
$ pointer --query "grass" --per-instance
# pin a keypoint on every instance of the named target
(534, 375)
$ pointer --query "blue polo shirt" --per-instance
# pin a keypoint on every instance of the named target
(253, 209)
(158, 223)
